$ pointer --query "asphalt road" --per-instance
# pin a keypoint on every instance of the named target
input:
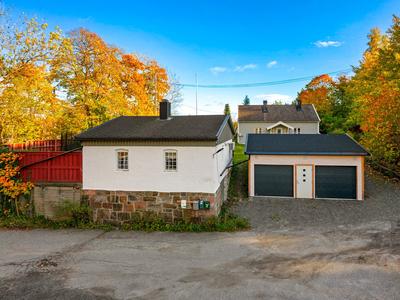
(342, 260)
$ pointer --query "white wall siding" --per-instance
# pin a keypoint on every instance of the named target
(197, 169)
(248, 127)
(221, 160)
(309, 160)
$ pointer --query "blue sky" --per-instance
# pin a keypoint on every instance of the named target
(229, 42)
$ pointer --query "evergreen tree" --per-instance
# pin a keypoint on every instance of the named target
(246, 100)
(227, 110)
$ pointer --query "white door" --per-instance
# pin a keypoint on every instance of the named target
(304, 181)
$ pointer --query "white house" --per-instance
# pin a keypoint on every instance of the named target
(329, 166)
(151, 164)
(277, 119)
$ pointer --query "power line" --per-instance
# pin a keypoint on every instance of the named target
(225, 86)
(199, 109)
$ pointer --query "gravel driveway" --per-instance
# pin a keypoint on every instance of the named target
(382, 203)
(300, 249)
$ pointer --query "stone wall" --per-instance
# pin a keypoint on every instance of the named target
(116, 207)
(47, 196)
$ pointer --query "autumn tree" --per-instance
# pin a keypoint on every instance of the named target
(28, 107)
(102, 82)
(381, 122)
(375, 89)
(157, 85)
(319, 93)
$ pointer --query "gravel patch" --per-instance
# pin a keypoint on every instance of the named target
(381, 204)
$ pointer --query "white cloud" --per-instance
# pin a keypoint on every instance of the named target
(321, 44)
(291, 69)
(208, 97)
(272, 63)
(241, 69)
(272, 97)
(217, 70)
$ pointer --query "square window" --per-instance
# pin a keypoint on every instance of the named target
(258, 130)
(170, 161)
(297, 130)
(122, 160)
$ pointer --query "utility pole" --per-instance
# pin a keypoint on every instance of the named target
(197, 83)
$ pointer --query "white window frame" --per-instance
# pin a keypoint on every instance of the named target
(117, 161)
(169, 152)
(258, 130)
(297, 130)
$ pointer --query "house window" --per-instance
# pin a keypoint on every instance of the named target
(170, 161)
(122, 159)
(296, 130)
(258, 130)
(279, 130)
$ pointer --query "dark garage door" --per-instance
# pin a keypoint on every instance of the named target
(335, 182)
(271, 180)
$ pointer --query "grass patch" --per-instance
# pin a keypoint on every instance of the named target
(225, 222)
(239, 153)
(238, 185)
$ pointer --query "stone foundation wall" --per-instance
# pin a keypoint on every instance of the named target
(116, 207)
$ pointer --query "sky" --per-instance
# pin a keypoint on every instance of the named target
(229, 42)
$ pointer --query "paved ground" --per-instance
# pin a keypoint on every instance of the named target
(382, 203)
(347, 258)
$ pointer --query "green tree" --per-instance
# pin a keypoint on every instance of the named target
(227, 110)
(246, 100)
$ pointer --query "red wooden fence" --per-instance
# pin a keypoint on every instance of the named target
(42, 146)
(65, 168)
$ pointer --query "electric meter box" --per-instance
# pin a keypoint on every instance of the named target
(196, 205)
(206, 204)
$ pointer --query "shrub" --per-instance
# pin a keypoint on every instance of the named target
(74, 211)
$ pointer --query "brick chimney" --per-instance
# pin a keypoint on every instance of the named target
(165, 109)
(298, 104)
(265, 106)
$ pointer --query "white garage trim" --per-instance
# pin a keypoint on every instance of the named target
(316, 160)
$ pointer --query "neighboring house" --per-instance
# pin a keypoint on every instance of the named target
(305, 166)
(151, 164)
(277, 119)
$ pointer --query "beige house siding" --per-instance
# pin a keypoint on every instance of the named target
(315, 160)
(248, 127)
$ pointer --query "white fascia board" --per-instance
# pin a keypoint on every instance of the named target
(280, 123)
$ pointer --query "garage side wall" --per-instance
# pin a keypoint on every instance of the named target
(293, 160)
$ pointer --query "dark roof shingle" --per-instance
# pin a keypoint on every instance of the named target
(276, 113)
(177, 128)
(303, 144)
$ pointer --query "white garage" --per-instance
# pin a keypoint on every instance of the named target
(305, 166)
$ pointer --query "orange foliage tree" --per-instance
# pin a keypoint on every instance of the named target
(102, 82)
(380, 116)
(319, 93)
(11, 185)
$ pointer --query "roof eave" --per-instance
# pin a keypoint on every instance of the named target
(308, 153)
(146, 139)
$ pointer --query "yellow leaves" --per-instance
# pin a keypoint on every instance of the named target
(10, 184)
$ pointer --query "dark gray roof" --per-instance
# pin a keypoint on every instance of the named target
(276, 113)
(303, 144)
(178, 128)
